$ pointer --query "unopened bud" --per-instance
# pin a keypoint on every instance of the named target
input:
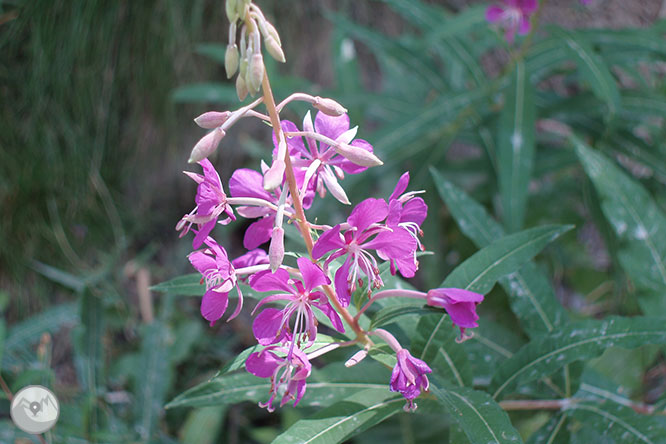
(358, 155)
(212, 119)
(276, 249)
(206, 145)
(256, 71)
(274, 49)
(329, 106)
(358, 357)
(231, 8)
(231, 60)
(271, 31)
(274, 175)
(241, 88)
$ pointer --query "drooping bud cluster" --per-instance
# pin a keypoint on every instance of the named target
(305, 163)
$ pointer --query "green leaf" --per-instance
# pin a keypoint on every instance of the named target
(594, 71)
(515, 148)
(340, 421)
(553, 432)
(575, 341)
(61, 277)
(22, 335)
(481, 418)
(637, 221)
(185, 285)
(448, 358)
(619, 422)
(506, 255)
(203, 425)
(531, 296)
(391, 314)
(205, 93)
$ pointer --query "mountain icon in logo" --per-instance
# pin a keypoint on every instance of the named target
(34, 409)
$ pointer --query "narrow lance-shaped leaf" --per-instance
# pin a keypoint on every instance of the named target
(553, 432)
(340, 421)
(481, 418)
(506, 255)
(594, 71)
(637, 221)
(575, 341)
(531, 296)
(515, 148)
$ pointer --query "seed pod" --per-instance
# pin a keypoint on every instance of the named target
(241, 88)
(329, 106)
(231, 60)
(231, 8)
(206, 145)
(212, 119)
(256, 71)
(274, 49)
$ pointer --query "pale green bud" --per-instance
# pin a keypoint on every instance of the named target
(274, 49)
(231, 8)
(241, 88)
(256, 71)
(231, 60)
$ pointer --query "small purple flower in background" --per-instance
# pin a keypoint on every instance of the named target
(273, 325)
(220, 277)
(459, 304)
(406, 212)
(364, 234)
(319, 164)
(288, 374)
(409, 377)
(513, 16)
(211, 203)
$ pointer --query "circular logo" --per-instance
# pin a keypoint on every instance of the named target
(34, 409)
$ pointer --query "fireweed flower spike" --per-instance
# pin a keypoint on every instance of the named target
(287, 373)
(211, 203)
(513, 16)
(364, 234)
(273, 325)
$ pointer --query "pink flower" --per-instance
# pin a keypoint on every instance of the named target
(409, 377)
(406, 212)
(220, 278)
(459, 304)
(288, 374)
(317, 163)
(252, 257)
(364, 234)
(273, 325)
(211, 203)
(513, 16)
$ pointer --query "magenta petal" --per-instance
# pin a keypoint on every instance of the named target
(494, 13)
(253, 257)
(295, 144)
(528, 6)
(368, 212)
(245, 182)
(342, 284)
(313, 276)
(203, 233)
(330, 312)
(414, 210)
(329, 240)
(401, 186)
(258, 233)
(330, 126)
(262, 364)
(524, 25)
(267, 326)
(394, 244)
(201, 261)
(460, 295)
(394, 213)
(463, 314)
(407, 266)
(213, 305)
(267, 281)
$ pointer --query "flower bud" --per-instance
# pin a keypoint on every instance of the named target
(276, 248)
(329, 106)
(358, 357)
(231, 8)
(271, 31)
(274, 49)
(256, 71)
(274, 175)
(241, 88)
(212, 119)
(358, 155)
(206, 145)
(231, 60)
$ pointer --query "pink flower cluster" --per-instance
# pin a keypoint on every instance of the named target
(377, 230)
